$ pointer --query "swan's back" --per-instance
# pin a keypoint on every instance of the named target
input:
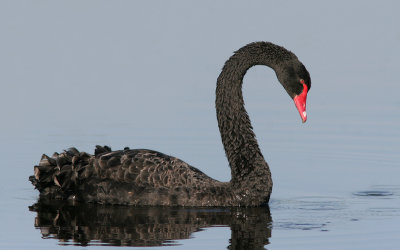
(135, 177)
(146, 168)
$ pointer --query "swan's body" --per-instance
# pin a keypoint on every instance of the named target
(145, 177)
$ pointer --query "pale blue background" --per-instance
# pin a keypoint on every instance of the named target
(142, 74)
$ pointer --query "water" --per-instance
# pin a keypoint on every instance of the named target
(143, 75)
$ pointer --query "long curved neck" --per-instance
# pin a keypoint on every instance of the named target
(247, 163)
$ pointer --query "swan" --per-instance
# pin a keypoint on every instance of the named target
(145, 177)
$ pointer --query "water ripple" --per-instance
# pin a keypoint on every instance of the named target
(373, 193)
(380, 191)
(306, 213)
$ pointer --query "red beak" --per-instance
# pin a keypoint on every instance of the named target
(300, 102)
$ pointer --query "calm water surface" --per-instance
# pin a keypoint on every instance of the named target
(338, 190)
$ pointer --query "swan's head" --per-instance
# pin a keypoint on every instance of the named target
(296, 80)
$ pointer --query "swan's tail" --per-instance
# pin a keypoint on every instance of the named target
(59, 176)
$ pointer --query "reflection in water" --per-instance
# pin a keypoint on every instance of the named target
(90, 224)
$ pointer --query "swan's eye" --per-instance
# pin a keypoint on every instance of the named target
(302, 81)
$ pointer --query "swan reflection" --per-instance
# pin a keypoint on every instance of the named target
(91, 224)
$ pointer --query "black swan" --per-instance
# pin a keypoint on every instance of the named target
(146, 177)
